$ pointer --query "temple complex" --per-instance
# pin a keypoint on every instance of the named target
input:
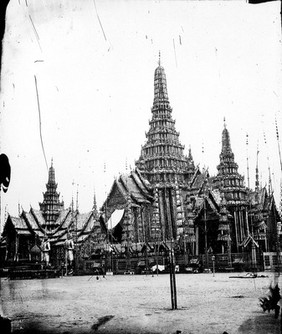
(199, 214)
(165, 204)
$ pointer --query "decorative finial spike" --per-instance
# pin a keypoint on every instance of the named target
(224, 122)
(77, 197)
(159, 62)
(94, 201)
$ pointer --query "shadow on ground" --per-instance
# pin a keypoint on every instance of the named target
(262, 323)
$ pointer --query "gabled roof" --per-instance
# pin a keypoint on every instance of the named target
(19, 224)
(81, 219)
(62, 219)
(247, 241)
(196, 173)
(199, 203)
(65, 222)
(216, 195)
(261, 199)
(38, 216)
(198, 180)
(32, 223)
(116, 188)
(132, 185)
(80, 224)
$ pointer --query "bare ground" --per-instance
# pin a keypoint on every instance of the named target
(139, 304)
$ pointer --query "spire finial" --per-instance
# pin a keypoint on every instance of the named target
(94, 200)
(159, 62)
(77, 197)
(257, 169)
(224, 122)
(94, 203)
(51, 178)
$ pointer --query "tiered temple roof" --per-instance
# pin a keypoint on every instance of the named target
(228, 180)
(162, 160)
(51, 206)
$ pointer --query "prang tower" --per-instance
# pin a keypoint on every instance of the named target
(163, 163)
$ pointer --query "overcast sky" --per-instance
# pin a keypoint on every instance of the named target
(94, 64)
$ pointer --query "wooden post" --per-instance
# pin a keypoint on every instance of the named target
(172, 281)
(66, 259)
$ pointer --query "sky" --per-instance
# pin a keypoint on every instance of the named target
(83, 71)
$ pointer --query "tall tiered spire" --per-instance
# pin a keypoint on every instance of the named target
(51, 206)
(227, 163)
(162, 160)
(231, 184)
(228, 178)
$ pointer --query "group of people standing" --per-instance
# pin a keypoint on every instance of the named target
(69, 249)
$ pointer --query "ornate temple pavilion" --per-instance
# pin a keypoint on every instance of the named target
(22, 236)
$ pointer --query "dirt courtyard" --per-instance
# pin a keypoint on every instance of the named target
(139, 304)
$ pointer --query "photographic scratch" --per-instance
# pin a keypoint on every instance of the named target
(39, 60)
(99, 20)
(35, 32)
(174, 53)
(180, 42)
(40, 129)
(215, 48)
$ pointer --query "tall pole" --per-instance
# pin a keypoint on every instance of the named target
(76, 236)
(206, 233)
(280, 159)
(0, 209)
(158, 249)
(277, 226)
(172, 279)
(248, 170)
(66, 259)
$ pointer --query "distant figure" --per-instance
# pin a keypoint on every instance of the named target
(69, 247)
(45, 250)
